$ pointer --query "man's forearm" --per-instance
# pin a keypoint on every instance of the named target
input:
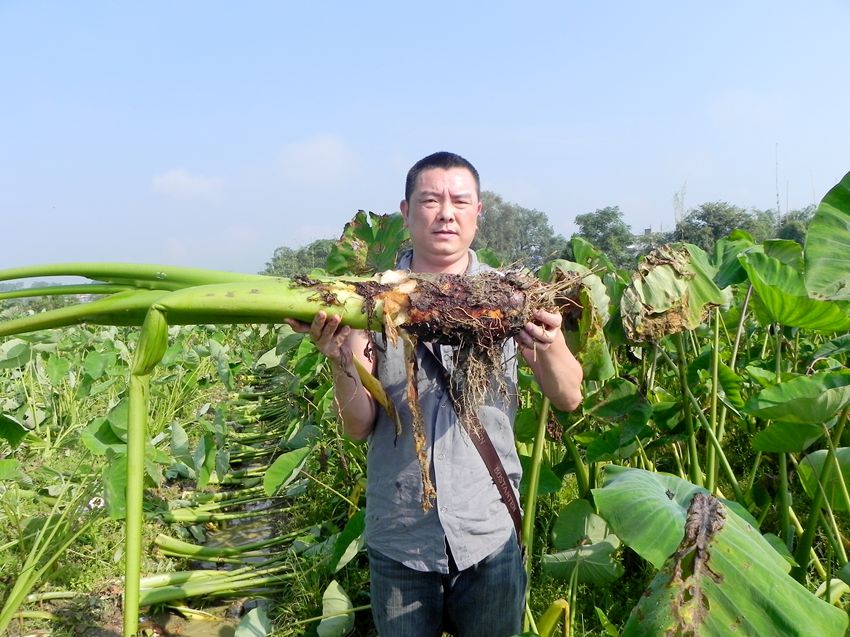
(355, 405)
(558, 373)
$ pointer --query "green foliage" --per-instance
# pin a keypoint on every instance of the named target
(515, 234)
(828, 245)
(288, 262)
(606, 230)
(369, 243)
(709, 222)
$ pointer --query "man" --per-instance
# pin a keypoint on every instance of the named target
(458, 566)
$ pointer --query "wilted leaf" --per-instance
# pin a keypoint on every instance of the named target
(670, 292)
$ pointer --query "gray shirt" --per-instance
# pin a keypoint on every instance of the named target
(468, 513)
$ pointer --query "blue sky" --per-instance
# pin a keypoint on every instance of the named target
(209, 133)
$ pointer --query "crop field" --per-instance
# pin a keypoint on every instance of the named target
(171, 460)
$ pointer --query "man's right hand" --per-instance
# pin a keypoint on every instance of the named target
(330, 337)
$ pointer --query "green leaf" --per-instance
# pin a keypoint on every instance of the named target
(10, 469)
(578, 525)
(94, 364)
(336, 611)
(14, 353)
(787, 437)
(254, 624)
(118, 418)
(349, 542)
(115, 485)
(369, 243)
(828, 246)
(805, 399)
(731, 384)
(203, 459)
(784, 299)
(525, 424)
(811, 468)
(57, 369)
(645, 510)
(590, 256)
(548, 481)
(282, 470)
(11, 430)
(488, 257)
(180, 443)
(726, 251)
(833, 347)
(584, 543)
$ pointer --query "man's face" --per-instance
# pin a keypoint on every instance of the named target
(442, 217)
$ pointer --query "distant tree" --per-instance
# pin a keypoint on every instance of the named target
(607, 231)
(794, 225)
(646, 242)
(711, 221)
(289, 261)
(517, 234)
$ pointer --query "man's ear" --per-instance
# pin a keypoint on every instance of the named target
(404, 210)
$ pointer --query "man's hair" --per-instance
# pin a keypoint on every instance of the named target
(444, 160)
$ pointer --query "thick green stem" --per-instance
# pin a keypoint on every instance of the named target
(139, 275)
(133, 525)
(581, 471)
(153, 341)
(694, 471)
(710, 458)
(786, 529)
(533, 483)
(807, 539)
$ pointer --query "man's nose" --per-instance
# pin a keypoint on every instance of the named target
(447, 210)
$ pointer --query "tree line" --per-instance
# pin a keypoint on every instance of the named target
(518, 235)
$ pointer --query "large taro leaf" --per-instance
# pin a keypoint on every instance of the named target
(828, 246)
(671, 291)
(584, 542)
(805, 399)
(811, 468)
(718, 575)
(783, 297)
(369, 243)
(585, 326)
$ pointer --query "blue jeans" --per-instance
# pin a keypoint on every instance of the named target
(484, 600)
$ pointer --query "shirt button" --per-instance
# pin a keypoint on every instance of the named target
(444, 509)
(441, 456)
